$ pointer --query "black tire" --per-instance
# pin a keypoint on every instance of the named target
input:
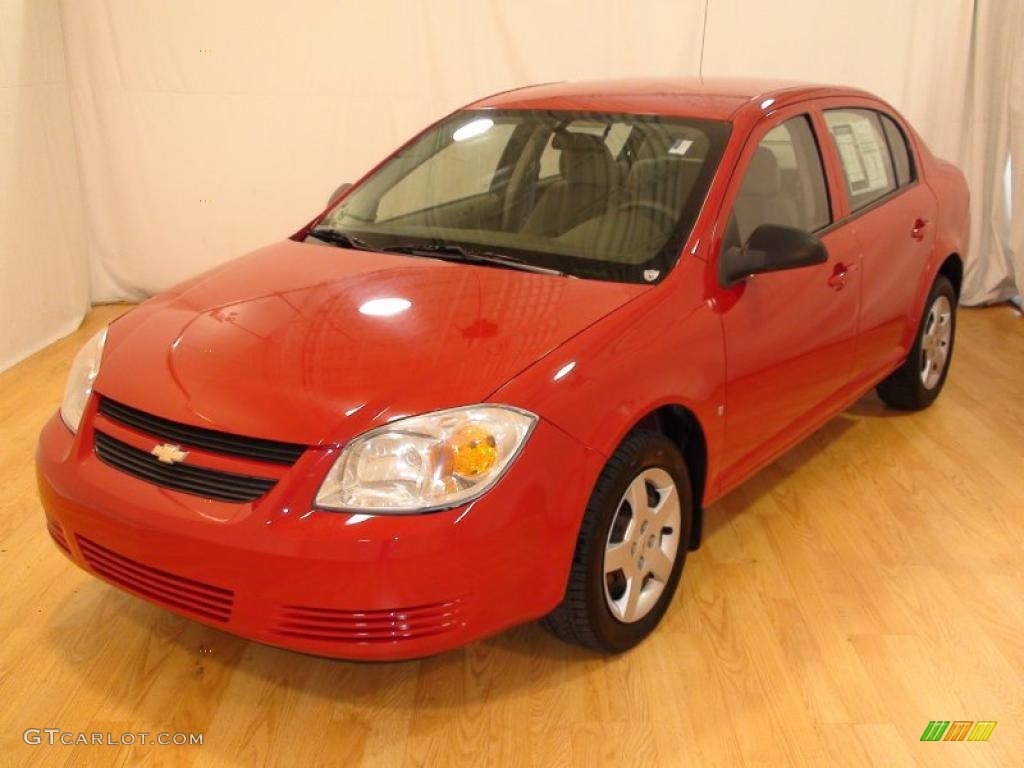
(584, 616)
(905, 388)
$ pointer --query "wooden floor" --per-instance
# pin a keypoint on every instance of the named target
(868, 582)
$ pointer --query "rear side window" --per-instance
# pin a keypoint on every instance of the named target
(900, 151)
(864, 153)
(784, 184)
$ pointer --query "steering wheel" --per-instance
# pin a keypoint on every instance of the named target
(659, 209)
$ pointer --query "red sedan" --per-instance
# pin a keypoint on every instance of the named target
(500, 377)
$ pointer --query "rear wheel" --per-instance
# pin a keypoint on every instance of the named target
(916, 383)
(631, 547)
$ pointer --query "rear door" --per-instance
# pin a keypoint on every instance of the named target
(790, 336)
(893, 218)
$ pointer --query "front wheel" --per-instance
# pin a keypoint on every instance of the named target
(631, 547)
(916, 383)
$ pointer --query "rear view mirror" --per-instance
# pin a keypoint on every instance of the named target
(771, 248)
(339, 192)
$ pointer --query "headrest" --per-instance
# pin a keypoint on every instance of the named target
(763, 174)
(585, 158)
(578, 142)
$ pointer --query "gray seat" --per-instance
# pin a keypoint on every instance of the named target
(763, 199)
(589, 175)
(663, 183)
(643, 216)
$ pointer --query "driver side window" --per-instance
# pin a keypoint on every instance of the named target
(784, 184)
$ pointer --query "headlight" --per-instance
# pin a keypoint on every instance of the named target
(426, 463)
(80, 379)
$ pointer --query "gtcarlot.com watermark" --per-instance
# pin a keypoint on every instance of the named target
(55, 736)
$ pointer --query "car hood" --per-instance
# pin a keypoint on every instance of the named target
(292, 342)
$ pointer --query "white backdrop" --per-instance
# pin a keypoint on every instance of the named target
(955, 68)
(44, 284)
(205, 132)
(204, 128)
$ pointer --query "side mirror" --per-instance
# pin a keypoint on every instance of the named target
(770, 248)
(339, 192)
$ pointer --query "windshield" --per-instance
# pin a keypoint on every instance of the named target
(595, 195)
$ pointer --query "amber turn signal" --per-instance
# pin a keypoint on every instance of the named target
(474, 451)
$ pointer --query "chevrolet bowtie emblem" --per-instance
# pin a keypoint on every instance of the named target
(169, 453)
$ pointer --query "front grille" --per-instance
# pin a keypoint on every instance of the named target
(199, 437)
(371, 626)
(187, 478)
(186, 595)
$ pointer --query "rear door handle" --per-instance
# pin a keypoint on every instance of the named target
(918, 231)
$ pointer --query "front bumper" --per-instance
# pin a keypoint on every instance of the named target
(333, 584)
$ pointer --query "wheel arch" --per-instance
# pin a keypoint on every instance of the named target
(681, 425)
(953, 269)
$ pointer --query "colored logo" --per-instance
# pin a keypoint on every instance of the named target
(958, 730)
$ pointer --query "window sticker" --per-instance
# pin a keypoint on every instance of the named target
(680, 146)
(852, 163)
(872, 153)
(862, 156)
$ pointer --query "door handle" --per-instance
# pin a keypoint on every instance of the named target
(839, 275)
(918, 231)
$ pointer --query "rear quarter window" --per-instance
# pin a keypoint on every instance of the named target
(902, 159)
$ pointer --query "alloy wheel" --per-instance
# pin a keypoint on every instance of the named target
(935, 339)
(642, 545)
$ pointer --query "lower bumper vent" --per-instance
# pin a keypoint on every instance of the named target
(186, 595)
(377, 626)
(57, 534)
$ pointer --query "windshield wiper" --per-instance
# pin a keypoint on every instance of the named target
(453, 252)
(446, 251)
(344, 239)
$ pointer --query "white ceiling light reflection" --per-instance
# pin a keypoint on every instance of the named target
(384, 307)
(564, 371)
(357, 519)
(767, 103)
(473, 128)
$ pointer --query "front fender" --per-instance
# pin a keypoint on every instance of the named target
(663, 348)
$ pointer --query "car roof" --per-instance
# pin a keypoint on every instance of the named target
(716, 98)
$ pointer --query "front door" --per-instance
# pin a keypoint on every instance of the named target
(790, 337)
